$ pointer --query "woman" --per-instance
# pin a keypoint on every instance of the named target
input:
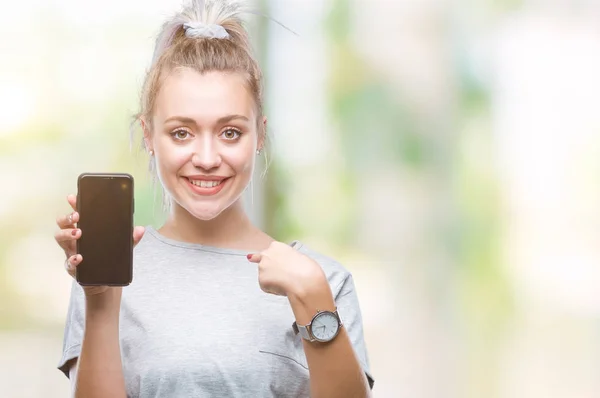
(217, 307)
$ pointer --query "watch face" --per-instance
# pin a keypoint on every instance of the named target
(325, 326)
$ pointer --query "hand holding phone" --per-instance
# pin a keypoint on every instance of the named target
(105, 206)
(68, 234)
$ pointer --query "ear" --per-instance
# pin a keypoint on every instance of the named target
(147, 136)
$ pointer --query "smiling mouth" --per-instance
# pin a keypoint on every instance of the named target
(205, 184)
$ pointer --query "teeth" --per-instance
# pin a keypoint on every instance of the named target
(205, 184)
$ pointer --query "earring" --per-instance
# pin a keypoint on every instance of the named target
(258, 152)
(151, 152)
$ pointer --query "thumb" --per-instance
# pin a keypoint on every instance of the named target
(138, 232)
(254, 257)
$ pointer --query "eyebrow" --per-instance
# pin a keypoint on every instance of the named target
(189, 120)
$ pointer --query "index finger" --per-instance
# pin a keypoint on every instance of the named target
(72, 199)
(254, 257)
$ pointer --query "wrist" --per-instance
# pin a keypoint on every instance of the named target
(306, 300)
(105, 303)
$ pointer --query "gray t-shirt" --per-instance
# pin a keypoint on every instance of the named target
(195, 323)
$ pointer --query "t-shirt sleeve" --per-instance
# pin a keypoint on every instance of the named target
(74, 325)
(350, 314)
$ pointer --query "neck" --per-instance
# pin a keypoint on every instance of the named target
(230, 228)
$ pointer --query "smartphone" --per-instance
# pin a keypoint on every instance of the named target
(105, 204)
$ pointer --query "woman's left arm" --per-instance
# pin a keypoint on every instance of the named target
(334, 368)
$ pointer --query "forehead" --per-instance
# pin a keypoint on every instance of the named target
(204, 97)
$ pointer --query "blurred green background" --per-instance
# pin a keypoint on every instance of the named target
(446, 152)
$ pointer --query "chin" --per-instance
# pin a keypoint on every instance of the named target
(203, 212)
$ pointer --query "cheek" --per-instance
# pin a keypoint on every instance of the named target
(241, 160)
(173, 157)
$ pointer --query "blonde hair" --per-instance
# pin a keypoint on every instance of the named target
(174, 49)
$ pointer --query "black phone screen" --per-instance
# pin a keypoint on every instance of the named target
(105, 205)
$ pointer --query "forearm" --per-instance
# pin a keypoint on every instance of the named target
(333, 367)
(100, 372)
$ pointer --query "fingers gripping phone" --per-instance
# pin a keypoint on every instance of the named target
(106, 205)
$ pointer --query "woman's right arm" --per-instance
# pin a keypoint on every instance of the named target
(98, 372)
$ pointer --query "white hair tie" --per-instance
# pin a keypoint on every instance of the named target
(199, 29)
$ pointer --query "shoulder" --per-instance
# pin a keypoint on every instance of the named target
(336, 272)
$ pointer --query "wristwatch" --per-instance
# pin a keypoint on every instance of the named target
(323, 328)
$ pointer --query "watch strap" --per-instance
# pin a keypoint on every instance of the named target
(303, 331)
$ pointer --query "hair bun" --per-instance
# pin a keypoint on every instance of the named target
(217, 19)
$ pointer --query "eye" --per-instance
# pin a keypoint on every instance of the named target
(180, 135)
(231, 134)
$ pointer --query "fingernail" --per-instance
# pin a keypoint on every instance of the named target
(249, 256)
(74, 232)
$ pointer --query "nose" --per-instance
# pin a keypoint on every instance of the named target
(206, 156)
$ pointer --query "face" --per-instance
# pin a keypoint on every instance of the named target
(204, 139)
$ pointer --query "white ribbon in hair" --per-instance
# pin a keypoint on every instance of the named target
(199, 29)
